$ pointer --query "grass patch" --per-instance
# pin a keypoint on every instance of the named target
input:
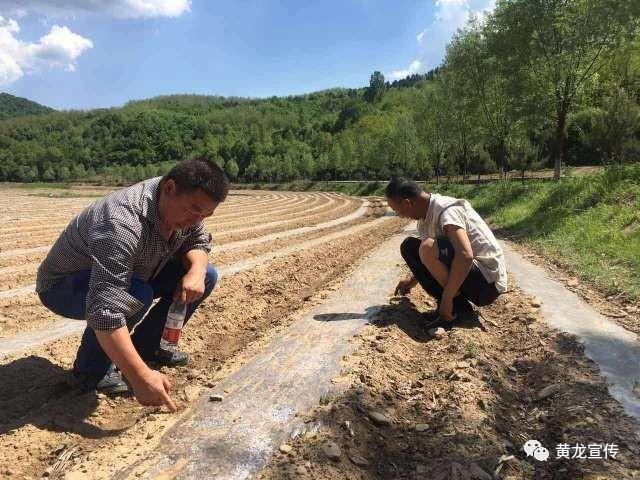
(65, 195)
(38, 185)
(589, 224)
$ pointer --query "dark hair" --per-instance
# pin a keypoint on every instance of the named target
(200, 173)
(400, 188)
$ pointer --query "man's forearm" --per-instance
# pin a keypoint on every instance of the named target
(459, 270)
(197, 261)
(119, 348)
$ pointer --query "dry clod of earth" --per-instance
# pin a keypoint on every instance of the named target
(331, 450)
(536, 302)
(284, 448)
(548, 391)
(379, 418)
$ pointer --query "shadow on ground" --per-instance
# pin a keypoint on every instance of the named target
(38, 392)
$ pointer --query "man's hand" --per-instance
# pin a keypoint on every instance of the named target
(191, 288)
(405, 286)
(152, 389)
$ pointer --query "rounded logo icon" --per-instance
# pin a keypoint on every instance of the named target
(541, 454)
(530, 447)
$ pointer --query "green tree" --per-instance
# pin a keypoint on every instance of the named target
(559, 45)
(63, 173)
(232, 169)
(376, 89)
(78, 171)
(523, 155)
(470, 60)
(615, 127)
(49, 175)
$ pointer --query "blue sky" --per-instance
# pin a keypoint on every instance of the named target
(100, 53)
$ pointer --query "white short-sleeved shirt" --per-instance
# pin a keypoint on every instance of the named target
(487, 253)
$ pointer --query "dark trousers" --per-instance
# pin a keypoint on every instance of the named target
(68, 298)
(474, 288)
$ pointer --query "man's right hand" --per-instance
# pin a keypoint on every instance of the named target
(404, 286)
(152, 389)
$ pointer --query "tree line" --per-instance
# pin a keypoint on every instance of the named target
(535, 83)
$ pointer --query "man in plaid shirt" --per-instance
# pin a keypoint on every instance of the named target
(140, 243)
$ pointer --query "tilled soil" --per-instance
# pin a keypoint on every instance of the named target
(235, 255)
(22, 271)
(462, 403)
(46, 230)
(46, 427)
(25, 312)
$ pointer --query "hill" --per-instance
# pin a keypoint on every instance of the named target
(12, 106)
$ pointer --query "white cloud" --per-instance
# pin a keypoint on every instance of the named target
(413, 68)
(116, 8)
(432, 42)
(10, 71)
(60, 48)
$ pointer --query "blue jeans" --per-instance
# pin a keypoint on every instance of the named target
(68, 298)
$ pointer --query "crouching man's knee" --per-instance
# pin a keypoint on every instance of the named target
(210, 280)
(409, 247)
(428, 250)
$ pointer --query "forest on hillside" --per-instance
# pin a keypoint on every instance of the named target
(11, 106)
(536, 83)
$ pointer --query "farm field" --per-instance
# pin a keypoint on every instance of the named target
(462, 402)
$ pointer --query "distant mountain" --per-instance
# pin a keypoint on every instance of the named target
(11, 106)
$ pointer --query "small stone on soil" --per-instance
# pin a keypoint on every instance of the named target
(331, 450)
(379, 418)
(284, 448)
(215, 398)
(536, 302)
(548, 391)
(437, 332)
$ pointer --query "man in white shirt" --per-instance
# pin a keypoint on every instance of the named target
(456, 259)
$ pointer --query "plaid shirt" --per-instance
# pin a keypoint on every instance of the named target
(117, 237)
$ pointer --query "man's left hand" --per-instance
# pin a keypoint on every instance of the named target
(191, 287)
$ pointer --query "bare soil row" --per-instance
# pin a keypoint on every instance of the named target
(42, 418)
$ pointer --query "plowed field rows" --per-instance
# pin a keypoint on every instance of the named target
(287, 247)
